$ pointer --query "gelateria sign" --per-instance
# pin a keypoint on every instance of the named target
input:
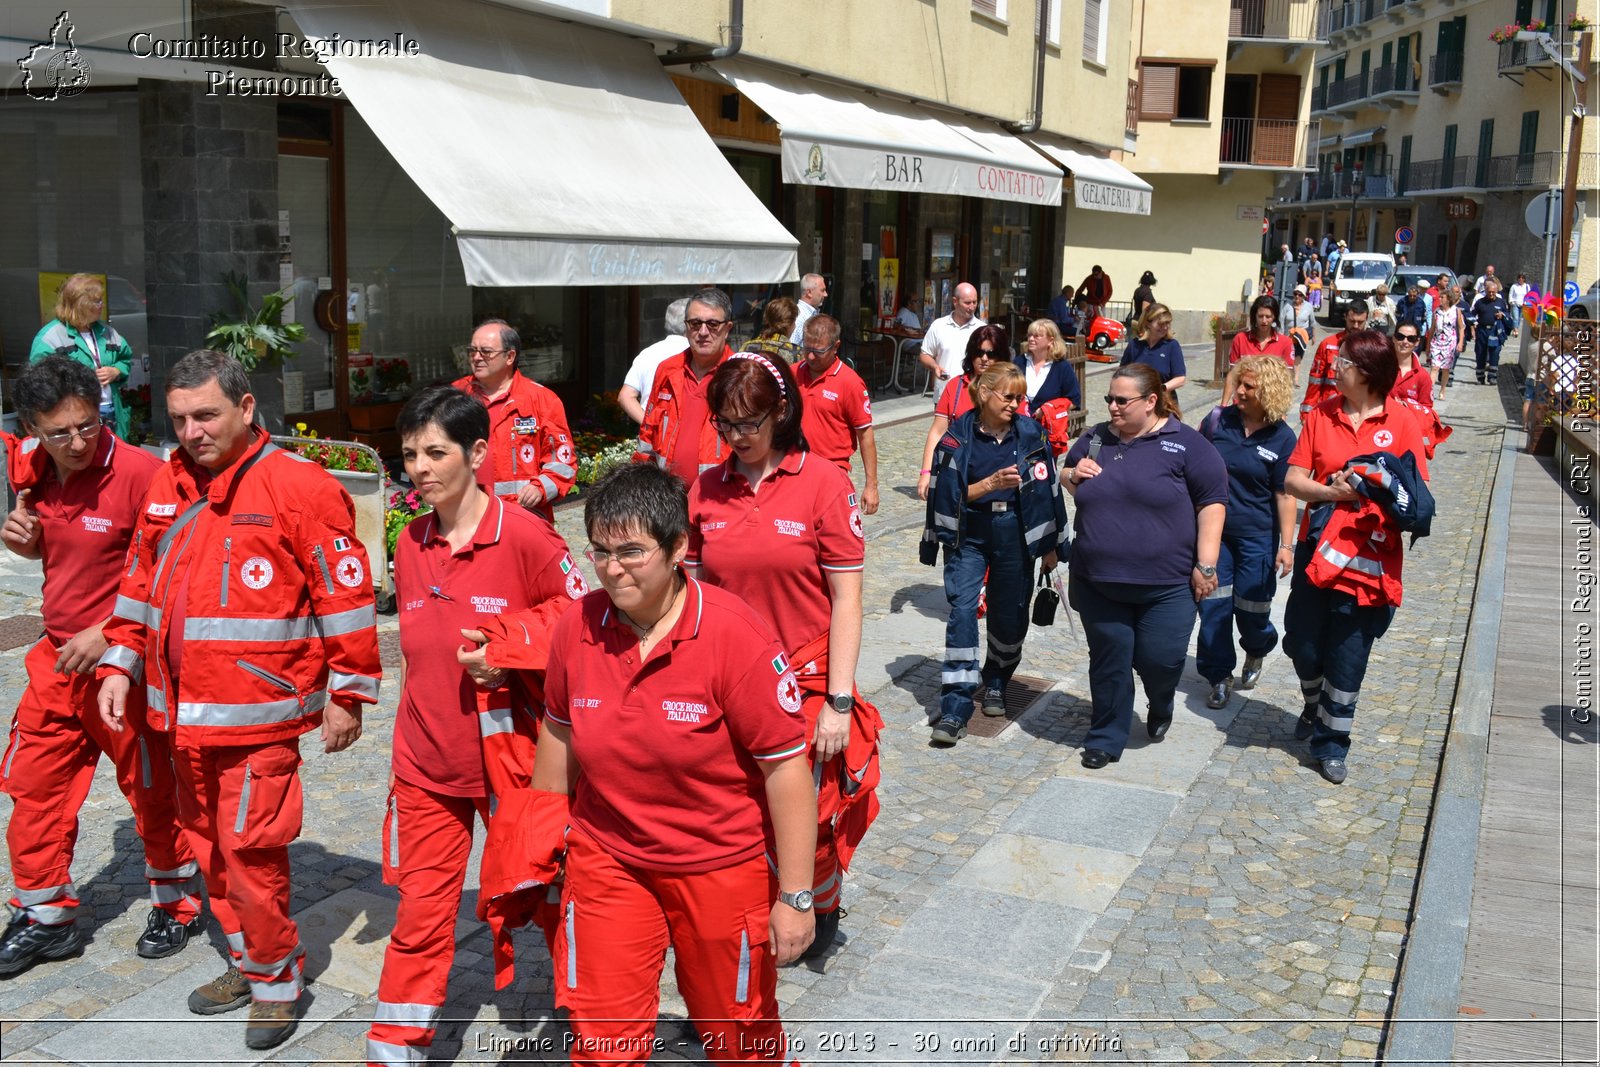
(1098, 196)
(843, 166)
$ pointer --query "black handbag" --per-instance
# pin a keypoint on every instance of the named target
(1044, 603)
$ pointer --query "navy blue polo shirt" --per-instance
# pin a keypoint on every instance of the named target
(1135, 520)
(1166, 357)
(988, 456)
(1256, 466)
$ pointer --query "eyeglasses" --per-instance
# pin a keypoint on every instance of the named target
(1112, 400)
(1408, 338)
(696, 325)
(1013, 398)
(86, 433)
(628, 555)
(819, 351)
(728, 428)
(1343, 362)
(486, 353)
(986, 353)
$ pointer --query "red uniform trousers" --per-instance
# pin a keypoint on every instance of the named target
(242, 806)
(427, 842)
(827, 877)
(57, 737)
(617, 922)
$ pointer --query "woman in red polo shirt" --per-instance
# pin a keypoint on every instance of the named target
(472, 558)
(781, 530)
(673, 719)
(987, 344)
(1263, 338)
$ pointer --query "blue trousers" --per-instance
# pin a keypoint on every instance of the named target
(1143, 628)
(1488, 355)
(1329, 637)
(1246, 583)
(993, 543)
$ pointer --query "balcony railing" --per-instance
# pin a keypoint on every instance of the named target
(1278, 20)
(1537, 169)
(1130, 115)
(1444, 68)
(1339, 186)
(1349, 90)
(1319, 98)
(1350, 14)
(1456, 172)
(1261, 143)
(1520, 55)
(1397, 79)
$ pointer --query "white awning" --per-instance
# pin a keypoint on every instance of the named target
(1098, 183)
(562, 155)
(1362, 137)
(831, 135)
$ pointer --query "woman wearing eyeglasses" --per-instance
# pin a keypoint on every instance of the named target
(780, 528)
(1414, 382)
(473, 558)
(1329, 631)
(673, 719)
(995, 507)
(79, 331)
(985, 345)
(1150, 493)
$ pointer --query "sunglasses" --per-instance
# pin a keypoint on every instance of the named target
(1408, 338)
(1112, 400)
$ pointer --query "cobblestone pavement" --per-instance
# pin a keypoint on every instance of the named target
(1207, 899)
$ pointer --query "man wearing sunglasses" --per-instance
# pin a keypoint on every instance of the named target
(79, 494)
(677, 434)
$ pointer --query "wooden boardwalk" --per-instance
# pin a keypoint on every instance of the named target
(1528, 989)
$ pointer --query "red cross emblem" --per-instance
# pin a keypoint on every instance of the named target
(349, 572)
(576, 586)
(855, 523)
(257, 572)
(789, 693)
(1383, 438)
(527, 453)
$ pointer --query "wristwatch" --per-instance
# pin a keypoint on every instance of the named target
(800, 901)
(1205, 571)
(843, 703)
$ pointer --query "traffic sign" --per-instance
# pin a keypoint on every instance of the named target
(1404, 235)
(1543, 215)
(1570, 293)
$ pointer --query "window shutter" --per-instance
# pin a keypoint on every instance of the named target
(988, 7)
(1091, 30)
(1158, 91)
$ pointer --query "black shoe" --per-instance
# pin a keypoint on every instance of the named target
(827, 931)
(1095, 758)
(165, 936)
(1157, 728)
(27, 942)
(947, 732)
(1307, 723)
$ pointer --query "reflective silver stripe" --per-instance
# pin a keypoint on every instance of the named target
(1339, 724)
(188, 870)
(32, 898)
(1044, 529)
(359, 684)
(272, 967)
(560, 470)
(1340, 696)
(1353, 563)
(551, 489)
(741, 992)
(156, 698)
(276, 631)
(347, 622)
(960, 653)
(120, 656)
(49, 915)
(144, 769)
(201, 713)
(240, 820)
(996, 645)
(507, 488)
(960, 677)
(235, 943)
(394, 833)
(278, 992)
(572, 947)
(1254, 607)
(947, 522)
(133, 610)
(167, 894)
(394, 1055)
(494, 721)
(155, 617)
(1221, 592)
(416, 1016)
(1311, 689)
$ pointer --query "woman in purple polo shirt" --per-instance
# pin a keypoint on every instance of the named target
(1151, 495)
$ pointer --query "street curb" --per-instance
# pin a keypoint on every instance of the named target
(1428, 992)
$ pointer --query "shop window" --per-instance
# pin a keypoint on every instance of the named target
(1175, 91)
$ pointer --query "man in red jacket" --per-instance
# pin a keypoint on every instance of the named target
(677, 433)
(79, 494)
(247, 609)
(1324, 380)
(532, 460)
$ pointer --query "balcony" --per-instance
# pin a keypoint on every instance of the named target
(1346, 94)
(1339, 185)
(1444, 72)
(1395, 9)
(1519, 57)
(1266, 144)
(1394, 86)
(1277, 22)
(1435, 176)
(1537, 170)
(1351, 17)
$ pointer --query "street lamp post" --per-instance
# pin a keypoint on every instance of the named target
(1356, 184)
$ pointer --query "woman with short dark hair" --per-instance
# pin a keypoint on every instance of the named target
(1262, 338)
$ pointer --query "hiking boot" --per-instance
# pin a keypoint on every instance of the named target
(947, 732)
(271, 1022)
(226, 992)
(1251, 673)
(27, 942)
(165, 936)
(994, 703)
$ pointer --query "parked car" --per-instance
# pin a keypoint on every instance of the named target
(1101, 335)
(1358, 275)
(1407, 276)
(1586, 306)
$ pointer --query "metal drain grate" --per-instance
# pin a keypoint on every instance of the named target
(1020, 694)
(19, 630)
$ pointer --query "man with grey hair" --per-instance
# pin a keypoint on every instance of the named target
(633, 396)
(677, 432)
(813, 291)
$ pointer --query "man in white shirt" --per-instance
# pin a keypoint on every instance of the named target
(813, 291)
(910, 315)
(636, 385)
(944, 346)
(1517, 296)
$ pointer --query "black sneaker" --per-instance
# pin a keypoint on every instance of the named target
(947, 732)
(165, 936)
(994, 703)
(27, 942)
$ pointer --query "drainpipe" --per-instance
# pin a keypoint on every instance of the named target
(679, 56)
(1036, 116)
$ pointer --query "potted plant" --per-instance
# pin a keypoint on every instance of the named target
(257, 337)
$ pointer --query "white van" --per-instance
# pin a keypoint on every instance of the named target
(1359, 274)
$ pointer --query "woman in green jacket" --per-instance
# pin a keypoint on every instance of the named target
(80, 332)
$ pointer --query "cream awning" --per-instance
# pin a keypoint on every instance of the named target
(1098, 182)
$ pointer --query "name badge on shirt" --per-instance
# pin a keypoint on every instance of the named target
(1266, 454)
(528, 425)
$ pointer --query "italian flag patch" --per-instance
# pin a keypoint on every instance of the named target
(566, 564)
(850, 500)
(780, 663)
(341, 544)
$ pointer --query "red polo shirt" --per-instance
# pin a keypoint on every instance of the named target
(836, 408)
(514, 561)
(774, 547)
(1244, 344)
(956, 400)
(1328, 440)
(695, 412)
(86, 525)
(669, 749)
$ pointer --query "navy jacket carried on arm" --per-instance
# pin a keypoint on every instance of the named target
(1060, 381)
(1043, 510)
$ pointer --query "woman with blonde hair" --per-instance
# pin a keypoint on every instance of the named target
(1258, 534)
(1048, 374)
(777, 324)
(1156, 348)
(80, 332)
